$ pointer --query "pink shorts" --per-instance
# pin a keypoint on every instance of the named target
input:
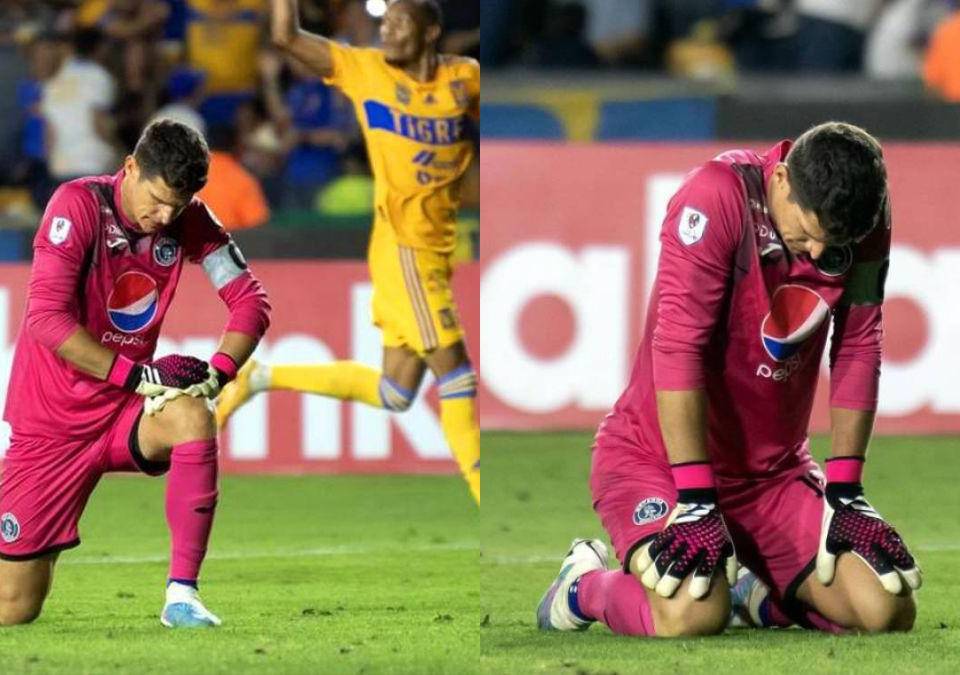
(774, 522)
(46, 483)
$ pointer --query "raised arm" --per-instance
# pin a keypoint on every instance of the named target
(285, 32)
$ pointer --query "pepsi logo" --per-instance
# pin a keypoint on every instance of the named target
(132, 304)
(795, 314)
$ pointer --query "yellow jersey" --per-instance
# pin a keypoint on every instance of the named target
(223, 40)
(420, 139)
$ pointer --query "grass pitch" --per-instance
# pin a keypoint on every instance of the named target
(309, 574)
(536, 500)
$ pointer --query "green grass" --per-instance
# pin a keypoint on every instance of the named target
(536, 500)
(309, 574)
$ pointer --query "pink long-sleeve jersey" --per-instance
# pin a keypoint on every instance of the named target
(732, 312)
(93, 268)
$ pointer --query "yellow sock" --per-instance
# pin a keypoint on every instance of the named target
(458, 418)
(346, 380)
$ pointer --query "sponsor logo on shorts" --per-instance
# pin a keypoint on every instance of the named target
(448, 319)
(649, 510)
(9, 527)
(165, 251)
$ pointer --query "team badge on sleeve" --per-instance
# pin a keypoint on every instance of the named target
(692, 225)
(59, 229)
(9, 527)
(649, 510)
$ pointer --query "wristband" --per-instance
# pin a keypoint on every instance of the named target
(844, 469)
(694, 482)
(124, 372)
(225, 365)
(692, 475)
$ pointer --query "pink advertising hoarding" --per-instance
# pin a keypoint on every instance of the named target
(568, 256)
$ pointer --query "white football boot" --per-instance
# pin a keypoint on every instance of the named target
(746, 596)
(183, 609)
(554, 611)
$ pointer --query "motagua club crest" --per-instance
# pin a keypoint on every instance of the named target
(165, 251)
(835, 260)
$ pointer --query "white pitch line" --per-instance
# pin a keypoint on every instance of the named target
(304, 553)
(556, 558)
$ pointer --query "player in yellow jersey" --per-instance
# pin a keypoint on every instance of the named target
(417, 109)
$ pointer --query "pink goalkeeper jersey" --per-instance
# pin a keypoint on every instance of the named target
(732, 312)
(92, 268)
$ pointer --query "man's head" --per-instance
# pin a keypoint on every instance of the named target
(830, 190)
(168, 166)
(410, 28)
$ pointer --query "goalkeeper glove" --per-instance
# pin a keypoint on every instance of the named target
(694, 541)
(851, 524)
(221, 370)
(156, 377)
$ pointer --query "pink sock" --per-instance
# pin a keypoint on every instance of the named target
(616, 599)
(191, 501)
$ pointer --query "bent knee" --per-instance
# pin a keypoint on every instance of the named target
(19, 611)
(710, 619)
(890, 615)
(189, 418)
(394, 397)
(684, 616)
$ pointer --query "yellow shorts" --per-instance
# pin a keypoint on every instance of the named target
(412, 299)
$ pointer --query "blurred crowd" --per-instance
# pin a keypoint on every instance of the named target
(79, 79)
(883, 39)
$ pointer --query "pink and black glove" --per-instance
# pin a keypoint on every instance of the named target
(851, 524)
(153, 378)
(222, 370)
(694, 541)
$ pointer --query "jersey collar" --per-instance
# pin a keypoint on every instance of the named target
(118, 204)
(773, 156)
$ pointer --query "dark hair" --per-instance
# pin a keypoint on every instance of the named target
(176, 153)
(428, 11)
(836, 170)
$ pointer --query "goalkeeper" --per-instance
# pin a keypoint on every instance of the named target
(705, 459)
(107, 258)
